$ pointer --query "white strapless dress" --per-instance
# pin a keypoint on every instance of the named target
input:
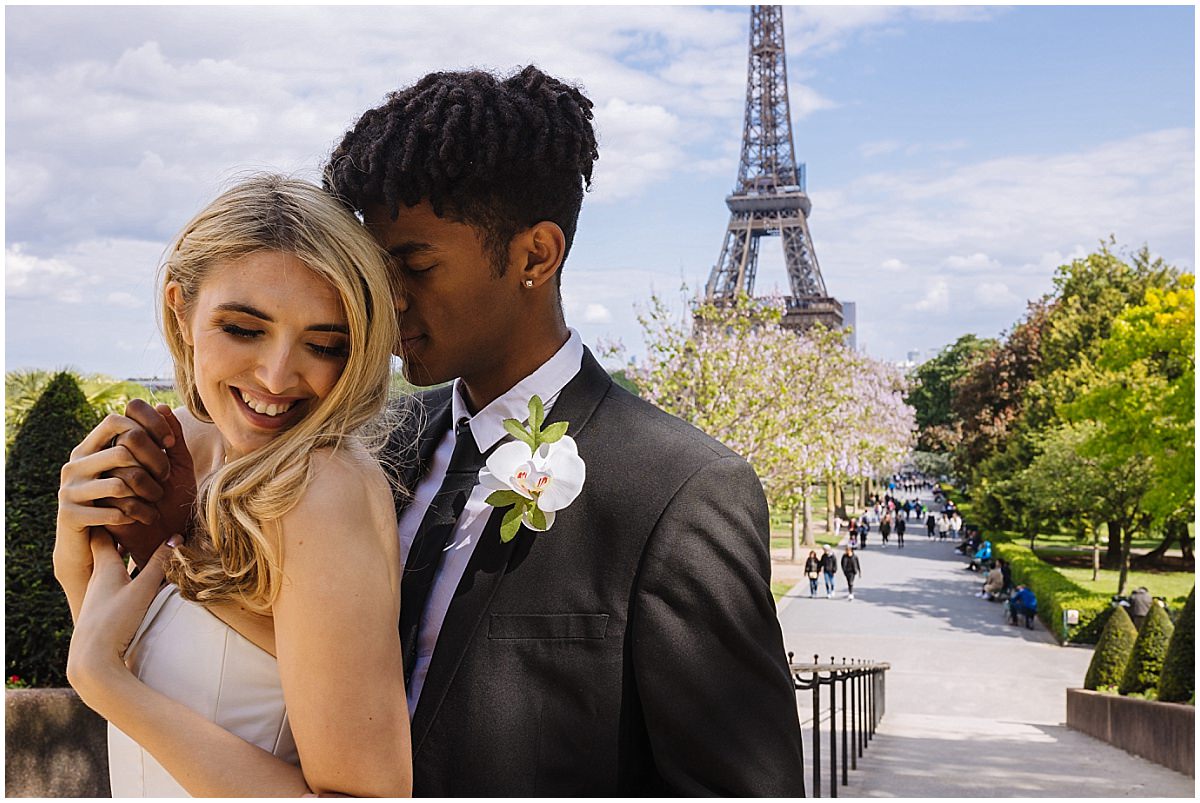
(190, 655)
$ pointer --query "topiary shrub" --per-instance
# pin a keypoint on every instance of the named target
(1112, 652)
(1145, 665)
(37, 622)
(1177, 684)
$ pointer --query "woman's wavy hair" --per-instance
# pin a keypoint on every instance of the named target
(230, 557)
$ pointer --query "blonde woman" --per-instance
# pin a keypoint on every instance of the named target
(269, 664)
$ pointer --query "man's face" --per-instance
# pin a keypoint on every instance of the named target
(455, 314)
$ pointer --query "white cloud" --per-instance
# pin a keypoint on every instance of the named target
(123, 299)
(893, 265)
(974, 262)
(936, 299)
(883, 147)
(597, 313)
(28, 276)
(996, 294)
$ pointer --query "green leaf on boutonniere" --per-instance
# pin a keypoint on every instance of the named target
(514, 427)
(538, 517)
(537, 414)
(504, 498)
(511, 523)
(554, 432)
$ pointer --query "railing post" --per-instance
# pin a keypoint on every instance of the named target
(816, 727)
(854, 716)
(862, 710)
(833, 792)
(845, 768)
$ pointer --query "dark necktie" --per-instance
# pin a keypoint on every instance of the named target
(433, 536)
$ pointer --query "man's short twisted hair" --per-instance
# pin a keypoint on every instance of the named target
(500, 155)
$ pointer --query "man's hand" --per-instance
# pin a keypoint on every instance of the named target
(161, 476)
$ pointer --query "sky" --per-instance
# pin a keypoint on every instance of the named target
(955, 155)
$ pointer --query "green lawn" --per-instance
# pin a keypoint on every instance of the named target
(779, 589)
(1175, 586)
(781, 522)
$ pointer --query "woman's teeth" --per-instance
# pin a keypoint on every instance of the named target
(263, 408)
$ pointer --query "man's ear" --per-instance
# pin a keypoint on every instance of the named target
(540, 252)
(175, 300)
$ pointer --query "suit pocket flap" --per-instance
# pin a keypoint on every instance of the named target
(547, 625)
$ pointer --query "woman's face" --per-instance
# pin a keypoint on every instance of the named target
(270, 340)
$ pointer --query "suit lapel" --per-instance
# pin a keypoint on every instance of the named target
(491, 558)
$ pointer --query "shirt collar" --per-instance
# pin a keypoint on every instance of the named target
(547, 382)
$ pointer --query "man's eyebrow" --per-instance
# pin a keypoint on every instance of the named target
(247, 309)
(407, 248)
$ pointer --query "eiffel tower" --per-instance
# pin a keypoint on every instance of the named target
(770, 198)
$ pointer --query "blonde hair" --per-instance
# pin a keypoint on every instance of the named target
(231, 557)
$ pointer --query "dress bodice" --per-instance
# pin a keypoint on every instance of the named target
(188, 654)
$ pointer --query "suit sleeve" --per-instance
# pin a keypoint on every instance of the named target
(717, 695)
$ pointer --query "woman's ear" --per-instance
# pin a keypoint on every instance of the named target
(175, 301)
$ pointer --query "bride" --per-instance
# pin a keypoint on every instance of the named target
(269, 663)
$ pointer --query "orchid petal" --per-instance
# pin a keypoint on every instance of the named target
(568, 473)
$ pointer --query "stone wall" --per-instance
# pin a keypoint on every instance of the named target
(54, 745)
(1164, 733)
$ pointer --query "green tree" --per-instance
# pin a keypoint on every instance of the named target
(105, 395)
(1146, 662)
(37, 624)
(1112, 652)
(1177, 684)
(931, 393)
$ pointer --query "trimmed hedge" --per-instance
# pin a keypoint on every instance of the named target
(1054, 592)
(1146, 663)
(1112, 652)
(37, 622)
(1177, 684)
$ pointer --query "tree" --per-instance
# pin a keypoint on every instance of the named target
(105, 394)
(989, 398)
(1177, 684)
(1146, 661)
(1112, 652)
(37, 625)
(801, 408)
(931, 394)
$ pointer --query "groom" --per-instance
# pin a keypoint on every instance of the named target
(632, 648)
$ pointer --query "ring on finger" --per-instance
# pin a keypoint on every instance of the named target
(113, 443)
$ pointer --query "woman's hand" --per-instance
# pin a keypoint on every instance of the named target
(112, 610)
(122, 476)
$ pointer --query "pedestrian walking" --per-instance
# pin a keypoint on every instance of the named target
(930, 524)
(812, 570)
(829, 567)
(864, 527)
(885, 528)
(851, 570)
(943, 526)
(901, 526)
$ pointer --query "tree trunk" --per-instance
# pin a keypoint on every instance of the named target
(795, 535)
(1126, 543)
(1154, 556)
(806, 515)
(1112, 554)
(839, 493)
(830, 504)
(1095, 551)
(866, 493)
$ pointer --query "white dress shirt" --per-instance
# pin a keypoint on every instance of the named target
(487, 427)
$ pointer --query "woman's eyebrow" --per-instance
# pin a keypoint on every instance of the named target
(247, 309)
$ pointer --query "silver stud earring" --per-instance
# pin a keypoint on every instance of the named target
(529, 282)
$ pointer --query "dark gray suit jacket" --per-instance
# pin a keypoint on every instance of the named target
(632, 649)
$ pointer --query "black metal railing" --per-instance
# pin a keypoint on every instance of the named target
(860, 702)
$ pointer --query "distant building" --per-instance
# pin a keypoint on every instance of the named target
(155, 383)
(850, 321)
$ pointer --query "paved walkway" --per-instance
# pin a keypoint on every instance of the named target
(975, 707)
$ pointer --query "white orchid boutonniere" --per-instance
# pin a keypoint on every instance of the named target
(539, 473)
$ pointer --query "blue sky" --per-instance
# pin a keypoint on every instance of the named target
(955, 155)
